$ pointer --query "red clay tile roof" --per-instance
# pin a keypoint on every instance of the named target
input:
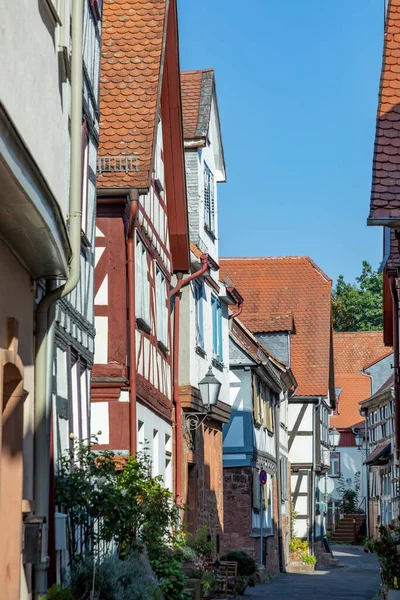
(352, 352)
(132, 48)
(385, 197)
(289, 285)
(196, 89)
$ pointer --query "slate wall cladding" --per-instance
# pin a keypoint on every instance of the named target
(192, 186)
(237, 518)
(277, 344)
(380, 373)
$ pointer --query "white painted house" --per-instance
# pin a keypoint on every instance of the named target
(204, 331)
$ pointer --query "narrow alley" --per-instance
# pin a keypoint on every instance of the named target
(358, 579)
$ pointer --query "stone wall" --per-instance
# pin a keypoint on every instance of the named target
(202, 484)
(238, 518)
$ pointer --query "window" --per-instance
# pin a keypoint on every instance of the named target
(162, 308)
(209, 199)
(96, 6)
(199, 295)
(217, 328)
(267, 405)
(142, 286)
(335, 465)
(256, 490)
(257, 404)
(85, 177)
(324, 418)
(284, 475)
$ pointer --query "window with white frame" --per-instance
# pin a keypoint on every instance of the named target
(217, 328)
(199, 296)
(162, 307)
(209, 199)
(324, 420)
(142, 285)
(85, 177)
(335, 464)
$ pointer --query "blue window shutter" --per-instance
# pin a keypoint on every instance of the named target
(215, 324)
(220, 330)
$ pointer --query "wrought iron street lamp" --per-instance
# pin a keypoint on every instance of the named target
(334, 439)
(209, 388)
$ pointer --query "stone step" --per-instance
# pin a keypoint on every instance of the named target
(296, 566)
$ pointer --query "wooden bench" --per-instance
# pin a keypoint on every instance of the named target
(226, 574)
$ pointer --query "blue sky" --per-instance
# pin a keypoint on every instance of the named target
(297, 86)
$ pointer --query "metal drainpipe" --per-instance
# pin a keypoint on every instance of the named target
(277, 452)
(313, 486)
(176, 291)
(131, 249)
(41, 429)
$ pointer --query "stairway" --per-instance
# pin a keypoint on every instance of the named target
(348, 528)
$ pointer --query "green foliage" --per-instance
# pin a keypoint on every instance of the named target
(246, 564)
(293, 517)
(358, 307)
(308, 559)
(349, 495)
(114, 579)
(172, 580)
(105, 504)
(58, 592)
(385, 548)
(207, 581)
(200, 543)
(297, 546)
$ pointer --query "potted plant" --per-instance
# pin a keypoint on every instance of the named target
(386, 548)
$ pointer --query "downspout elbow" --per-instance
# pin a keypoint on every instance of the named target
(238, 312)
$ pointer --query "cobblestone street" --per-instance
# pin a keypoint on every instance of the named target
(358, 579)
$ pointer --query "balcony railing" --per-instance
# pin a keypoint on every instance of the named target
(117, 164)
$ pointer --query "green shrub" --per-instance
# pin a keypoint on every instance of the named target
(172, 579)
(308, 559)
(298, 546)
(115, 579)
(246, 564)
(58, 592)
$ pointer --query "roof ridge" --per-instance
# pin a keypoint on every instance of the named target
(196, 71)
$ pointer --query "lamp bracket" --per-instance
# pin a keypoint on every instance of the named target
(193, 420)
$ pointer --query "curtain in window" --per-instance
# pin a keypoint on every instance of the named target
(256, 400)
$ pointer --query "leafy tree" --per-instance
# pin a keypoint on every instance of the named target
(358, 307)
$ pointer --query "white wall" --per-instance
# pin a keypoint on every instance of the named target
(31, 90)
(193, 366)
(156, 433)
(351, 461)
(301, 450)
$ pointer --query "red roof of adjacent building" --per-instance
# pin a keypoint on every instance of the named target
(289, 286)
(354, 351)
(385, 197)
(132, 46)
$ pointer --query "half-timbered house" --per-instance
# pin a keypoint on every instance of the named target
(257, 438)
(141, 230)
(288, 309)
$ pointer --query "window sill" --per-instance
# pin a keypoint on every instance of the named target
(210, 232)
(85, 240)
(164, 349)
(52, 12)
(218, 363)
(143, 325)
(201, 352)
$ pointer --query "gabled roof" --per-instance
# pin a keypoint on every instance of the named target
(197, 92)
(354, 351)
(200, 114)
(290, 286)
(133, 42)
(385, 197)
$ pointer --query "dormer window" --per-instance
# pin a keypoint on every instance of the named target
(209, 200)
